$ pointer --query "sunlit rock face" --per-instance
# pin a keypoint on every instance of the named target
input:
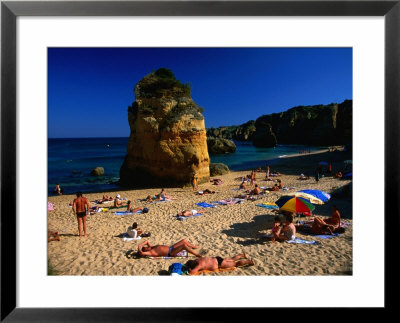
(168, 142)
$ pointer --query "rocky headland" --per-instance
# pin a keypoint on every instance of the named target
(167, 143)
(308, 125)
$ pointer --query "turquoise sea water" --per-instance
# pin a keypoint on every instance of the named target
(70, 161)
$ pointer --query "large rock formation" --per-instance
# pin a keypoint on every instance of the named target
(308, 125)
(264, 136)
(218, 169)
(167, 144)
(243, 132)
(220, 145)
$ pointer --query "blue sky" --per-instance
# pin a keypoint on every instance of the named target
(90, 89)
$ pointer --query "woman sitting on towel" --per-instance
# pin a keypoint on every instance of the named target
(242, 186)
(190, 212)
(135, 232)
(335, 218)
(118, 202)
(288, 231)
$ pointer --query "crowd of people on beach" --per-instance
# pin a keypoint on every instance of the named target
(278, 233)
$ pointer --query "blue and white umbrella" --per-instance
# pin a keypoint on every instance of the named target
(323, 196)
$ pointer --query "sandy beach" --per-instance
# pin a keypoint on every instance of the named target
(224, 231)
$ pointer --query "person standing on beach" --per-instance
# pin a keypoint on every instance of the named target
(194, 182)
(58, 189)
(81, 208)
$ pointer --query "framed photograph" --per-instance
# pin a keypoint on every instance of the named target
(222, 59)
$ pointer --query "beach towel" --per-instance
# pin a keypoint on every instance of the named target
(204, 204)
(205, 271)
(181, 218)
(301, 241)
(230, 201)
(125, 237)
(323, 236)
(181, 255)
(50, 206)
(127, 213)
(288, 188)
(268, 205)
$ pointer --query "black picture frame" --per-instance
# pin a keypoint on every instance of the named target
(10, 10)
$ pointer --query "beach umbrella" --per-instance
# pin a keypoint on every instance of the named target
(311, 198)
(294, 204)
(323, 196)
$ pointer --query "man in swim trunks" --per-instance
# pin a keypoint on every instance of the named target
(81, 207)
(213, 263)
(146, 249)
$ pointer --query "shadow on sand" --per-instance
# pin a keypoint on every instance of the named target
(250, 229)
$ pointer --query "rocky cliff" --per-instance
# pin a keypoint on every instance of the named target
(167, 143)
(308, 125)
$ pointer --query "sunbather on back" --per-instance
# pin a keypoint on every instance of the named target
(190, 212)
(146, 249)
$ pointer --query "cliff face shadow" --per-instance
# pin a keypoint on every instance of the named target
(250, 229)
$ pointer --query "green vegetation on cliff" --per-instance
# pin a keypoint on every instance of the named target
(163, 83)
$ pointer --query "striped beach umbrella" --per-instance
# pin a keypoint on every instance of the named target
(295, 204)
(311, 198)
(323, 196)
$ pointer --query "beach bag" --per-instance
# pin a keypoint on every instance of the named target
(145, 210)
(177, 269)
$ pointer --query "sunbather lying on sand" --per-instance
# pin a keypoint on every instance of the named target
(146, 249)
(206, 191)
(216, 181)
(214, 263)
(303, 177)
(190, 212)
(338, 175)
(162, 196)
(52, 236)
(273, 188)
(129, 208)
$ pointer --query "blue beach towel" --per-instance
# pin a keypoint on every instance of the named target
(181, 218)
(268, 206)
(204, 204)
(127, 213)
(301, 241)
(326, 236)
